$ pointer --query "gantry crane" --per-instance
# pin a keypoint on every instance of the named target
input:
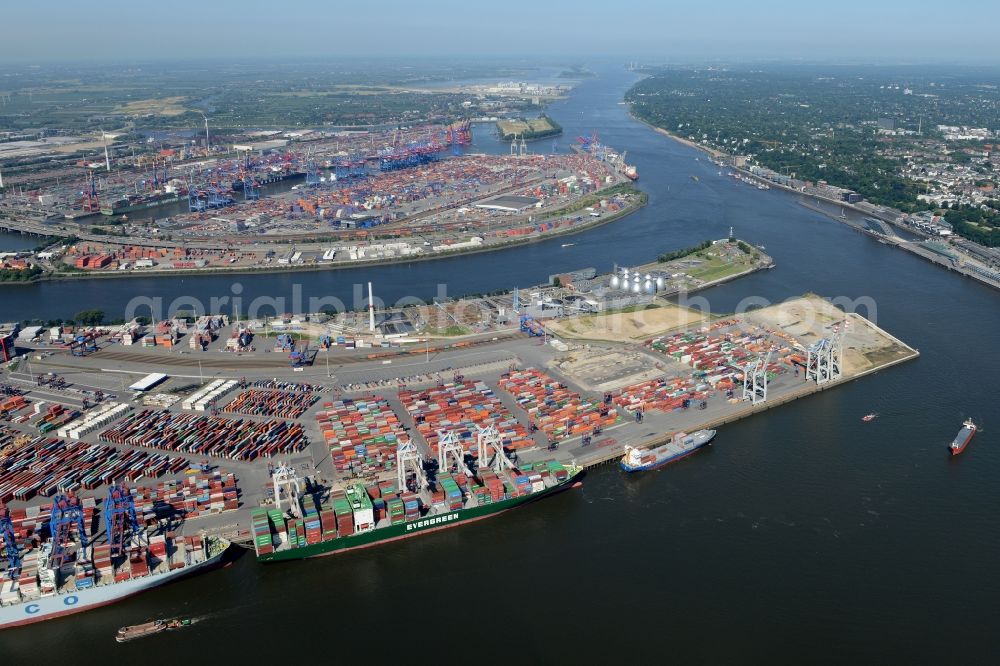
(490, 449)
(755, 379)
(11, 550)
(450, 451)
(408, 460)
(120, 520)
(286, 484)
(824, 359)
(67, 513)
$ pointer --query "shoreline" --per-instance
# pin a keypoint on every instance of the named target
(670, 135)
(907, 246)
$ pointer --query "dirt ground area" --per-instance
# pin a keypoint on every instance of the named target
(599, 370)
(632, 326)
(811, 318)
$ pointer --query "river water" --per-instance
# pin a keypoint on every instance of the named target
(802, 536)
(15, 242)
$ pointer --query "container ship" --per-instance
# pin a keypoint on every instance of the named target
(681, 445)
(360, 516)
(129, 204)
(267, 178)
(963, 437)
(56, 576)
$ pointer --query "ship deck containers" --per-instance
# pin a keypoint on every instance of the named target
(280, 532)
(342, 511)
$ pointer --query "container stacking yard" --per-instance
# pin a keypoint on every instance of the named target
(555, 409)
(46, 466)
(362, 434)
(281, 404)
(237, 439)
(460, 407)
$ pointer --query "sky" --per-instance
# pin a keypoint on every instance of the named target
(890, 31)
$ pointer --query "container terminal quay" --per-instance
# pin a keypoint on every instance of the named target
(342, 202)
(205, 422)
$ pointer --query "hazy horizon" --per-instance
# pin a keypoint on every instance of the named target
(850, 32)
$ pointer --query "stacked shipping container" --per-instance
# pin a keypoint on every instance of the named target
(45, 466)
(362, 434)
(281, 404)
(662, 394)
(357, 508)
(718, 360)
(557, 411)
(461, 407)
(237, 439)
(192, 496)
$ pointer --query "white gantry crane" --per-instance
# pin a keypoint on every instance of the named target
(755, 379)
(408, 459)
(824, 362)
(450, 451)
(491, 454)
(286, 485)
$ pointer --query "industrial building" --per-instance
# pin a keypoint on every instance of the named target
(148, 382)
(8, 333)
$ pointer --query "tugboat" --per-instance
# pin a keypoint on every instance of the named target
(963, 437)
(135, 631)
(869, 417)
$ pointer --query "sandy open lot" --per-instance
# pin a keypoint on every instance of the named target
(810, 318)
(627, 326)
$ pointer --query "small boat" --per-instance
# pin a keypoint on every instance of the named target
(869, 417)
(568, 244)
(135, 631)
(694, 178)
(963, 437)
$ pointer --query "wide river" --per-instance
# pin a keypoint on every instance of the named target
(802, 536)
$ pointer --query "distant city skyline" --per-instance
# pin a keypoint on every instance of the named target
(850, 31)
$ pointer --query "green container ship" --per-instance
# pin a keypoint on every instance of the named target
(359, 516)
(130, 204)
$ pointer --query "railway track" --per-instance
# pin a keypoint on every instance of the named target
(251, 361)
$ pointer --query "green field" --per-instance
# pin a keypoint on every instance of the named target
(450, 331)
(717, 268)
(85, 98)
